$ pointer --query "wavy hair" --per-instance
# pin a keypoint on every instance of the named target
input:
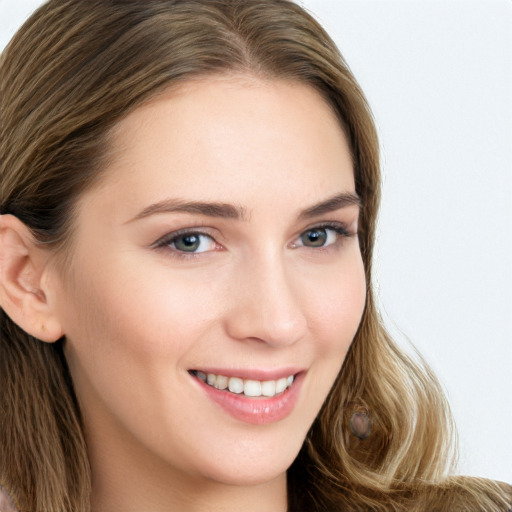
(74, 70)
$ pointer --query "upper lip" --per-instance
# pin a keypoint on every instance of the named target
(261, 374)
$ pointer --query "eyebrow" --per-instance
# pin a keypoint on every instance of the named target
(229, 211)
(332, 204)
(221, 210)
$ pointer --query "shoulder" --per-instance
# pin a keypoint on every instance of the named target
(6, 501)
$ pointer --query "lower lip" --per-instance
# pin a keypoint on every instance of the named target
(259, 410)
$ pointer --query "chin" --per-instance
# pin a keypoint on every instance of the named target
(250, 471)
(248, 476)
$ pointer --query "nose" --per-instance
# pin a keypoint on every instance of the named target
(266, 305)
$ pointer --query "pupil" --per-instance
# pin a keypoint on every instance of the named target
(187, 243)
(315, 237)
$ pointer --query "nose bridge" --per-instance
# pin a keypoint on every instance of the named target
(267, 302)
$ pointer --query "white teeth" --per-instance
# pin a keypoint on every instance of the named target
(281, 385)
(236, 385)
(268, 388)
(251, 388)
(221, 382)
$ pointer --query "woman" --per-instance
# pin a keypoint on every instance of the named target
(189, 196)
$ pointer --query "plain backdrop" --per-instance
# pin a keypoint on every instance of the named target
(438, 75)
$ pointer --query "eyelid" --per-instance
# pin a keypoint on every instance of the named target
(341, 227)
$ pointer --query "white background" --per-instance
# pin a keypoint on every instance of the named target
(438, 75)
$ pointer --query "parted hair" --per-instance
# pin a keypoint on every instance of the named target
(74, 70)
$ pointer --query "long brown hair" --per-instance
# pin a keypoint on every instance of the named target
(76, 68)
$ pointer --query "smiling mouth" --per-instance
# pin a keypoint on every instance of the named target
(246, 387)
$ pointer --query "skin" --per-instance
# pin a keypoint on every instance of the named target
(137, 317)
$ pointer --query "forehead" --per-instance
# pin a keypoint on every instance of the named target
(230, 139)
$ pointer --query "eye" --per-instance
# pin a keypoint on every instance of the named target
(321, 236)
(317, 237)
(190, 242)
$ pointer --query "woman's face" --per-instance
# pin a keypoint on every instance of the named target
(221, 240)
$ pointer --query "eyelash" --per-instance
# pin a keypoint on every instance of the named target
(339, 228)
(165, 242)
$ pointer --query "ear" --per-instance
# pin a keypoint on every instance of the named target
(24, 283)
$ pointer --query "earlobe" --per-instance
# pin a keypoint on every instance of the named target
(22, 288)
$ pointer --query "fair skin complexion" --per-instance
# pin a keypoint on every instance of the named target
(271, 284)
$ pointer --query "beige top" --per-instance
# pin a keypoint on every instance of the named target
(6, 501)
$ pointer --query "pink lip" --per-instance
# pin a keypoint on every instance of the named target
(259, 410)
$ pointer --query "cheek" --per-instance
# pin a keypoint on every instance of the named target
(131, 331)
(336, 308)
(334, 311)
(139, 309)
